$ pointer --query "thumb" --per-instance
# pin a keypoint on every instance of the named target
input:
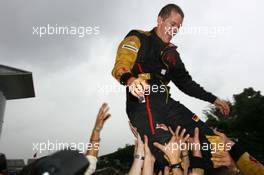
(196, 132)
(158, 145)
(217, 132)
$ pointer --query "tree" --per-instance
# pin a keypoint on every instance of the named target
(245, 123)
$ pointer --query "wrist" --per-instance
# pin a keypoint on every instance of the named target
(139, 157)
(95, 140)
(130, 80)
(97, 129)
(140, 153)
(149, 158)
(184, 156)
(125, 77)
(197, 153)
(174, 161)
(176, 167)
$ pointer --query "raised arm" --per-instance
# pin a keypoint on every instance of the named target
(183, 80)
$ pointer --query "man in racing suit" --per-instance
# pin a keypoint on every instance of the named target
(146, 62)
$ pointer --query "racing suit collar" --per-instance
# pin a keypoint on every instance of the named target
(159, 40)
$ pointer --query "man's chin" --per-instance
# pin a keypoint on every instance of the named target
(168, 38)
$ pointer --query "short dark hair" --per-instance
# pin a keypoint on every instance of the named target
(167, 9)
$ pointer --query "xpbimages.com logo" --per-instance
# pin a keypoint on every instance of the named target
(79, 31)
(212, 147)
(49, 146)
(210, 31)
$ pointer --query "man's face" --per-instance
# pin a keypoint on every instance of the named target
(169, 27)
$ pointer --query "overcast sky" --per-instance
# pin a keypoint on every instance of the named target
(71, 73)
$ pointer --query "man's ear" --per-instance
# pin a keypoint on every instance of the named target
(159, 20)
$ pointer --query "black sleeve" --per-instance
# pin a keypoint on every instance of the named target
(236, 151)
(182, 79)
(197, 162)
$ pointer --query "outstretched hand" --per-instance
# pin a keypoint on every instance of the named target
(139, 145)
(137, 87)
(222, 106)
(173, 149)
(195, 142)
(102, 116)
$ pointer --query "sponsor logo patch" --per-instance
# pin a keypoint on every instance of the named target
(130, 47)
(163, 71)
(195, 118)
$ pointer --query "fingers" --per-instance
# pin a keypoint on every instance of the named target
(196, 133)
(219, 133)
(102, 115)
(185, 139)
(136, 90)
(190, 140)
(158, 145)
(146, 140)
(217, 162)
(102, 108)
(135, 94)
(219, 154)
(138, 87)
(133, 129)
(226, 108)
(220, 107)
(139, 140)
(166, 170)
(179, 136)
(223, 107)
(136, 146)
(103, 111)
(146, 147)
(177, 130)
(106, 117)
(144, 84)
(182, 133)
(171, 131)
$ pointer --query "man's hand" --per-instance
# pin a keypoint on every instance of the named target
(228, 142)
(148, 155)
(139, 145)
(195, 141)
(222, 106)
(102, 116)
(222, 158)
(137, 86)
(173, 149)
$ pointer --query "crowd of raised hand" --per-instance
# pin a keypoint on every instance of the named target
(182, 160)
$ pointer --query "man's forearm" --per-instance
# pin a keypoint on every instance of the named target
(136, 167)
(195, 90)
(148, 167)
(94, 141)
(183, 80)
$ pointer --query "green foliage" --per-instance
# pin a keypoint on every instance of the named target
(246, 121)
(120, 159)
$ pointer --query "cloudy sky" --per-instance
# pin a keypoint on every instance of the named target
(72, 74)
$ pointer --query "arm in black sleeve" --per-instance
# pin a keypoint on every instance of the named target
(182, 79)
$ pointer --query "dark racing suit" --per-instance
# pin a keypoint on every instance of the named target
(145, 55)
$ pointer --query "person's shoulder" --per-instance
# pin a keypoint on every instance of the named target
(138, 33)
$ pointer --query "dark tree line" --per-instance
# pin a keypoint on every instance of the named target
(245, 123)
